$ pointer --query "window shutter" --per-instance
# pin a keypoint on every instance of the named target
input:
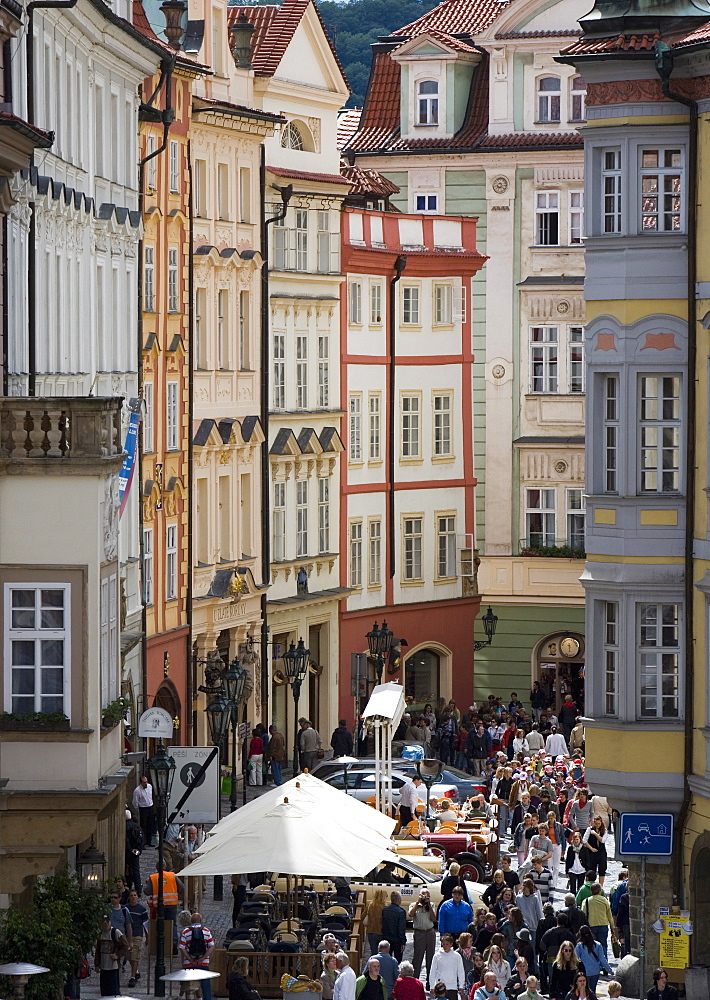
(334, 252)
(465, 555)
(460, 305)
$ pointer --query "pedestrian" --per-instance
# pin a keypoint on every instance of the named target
(581, 988)
(240, 884)
(455, 914)
(537, 700)
(328, 975)
(373, 919)
(255, 764)
(592, 955)
(309, 744)
(346, 982)
(661, 989)
(342, 741)
(490, 989)
(549, 945)
(511, 877)
(143, 805)
(478, 746)
(577, 863)
(575, 915)
(486, 933)
(409, 800)
(135, 842)
(509, 929)
(466, 951)
(111, 949)
(498, 964)
(580, 814)
(529, 902)
(238, 986)
(408, 986)
(447, 968)
(493, 892)
(139, 921)
(517, 982)
(594, 839)
(394, 925)
(173, 891)
(422, 913)
(450, 881)
(371, 985)
(556, 835)
(598, 912)
(623, 923)
(276, 754)
(389, 967)
(563, 971)
(505, 901)
(524, 948)
(555, 744)
(542, 878)
(196, 947)
(501, 787)
(120, 917)
(531, 991)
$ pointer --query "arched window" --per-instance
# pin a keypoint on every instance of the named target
(548, 99)
(421, 677)
(577, 96)
(428, 97)
(291, 137)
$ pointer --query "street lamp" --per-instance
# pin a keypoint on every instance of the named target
(380, 642)
(429, 771)
(490, 623)
(20, 973)
(174, 11)
(234, 679)
(296, 661)
(162, 770)
(218, 714)
(91, 866)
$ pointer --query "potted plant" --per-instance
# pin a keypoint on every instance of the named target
(114, 712)
(34, 721)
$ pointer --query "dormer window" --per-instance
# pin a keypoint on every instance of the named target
(548, 99)
(577, 97)
(428, 102)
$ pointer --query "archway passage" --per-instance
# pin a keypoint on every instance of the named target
(422, 678)
(558, 664)
(700, 874)
(167, 697)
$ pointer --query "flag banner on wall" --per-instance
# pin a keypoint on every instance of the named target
(125, 476)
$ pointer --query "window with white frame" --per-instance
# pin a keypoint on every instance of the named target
(411, 426)
(149, 278)
(172, 416)
(375, 302)
(374, 403)
(575, 359)
(109, 636)
(445, 546)
(200, 328)
(199, 175)
(281, 242)
(355, 427)
(611, 433)
(548, 99)
(37, 648)
(540, 517)
(172, 279)
(428, 102)
(301, 239)
(301, 517)
(355, 553)
(147, 565)
(148, 443)
(410, 304)
(245, 194)
(355, 291)
(374, 556)
(611, 657)
(660, 433)
(443, 304)
(575, 517)
(323, 515)
(659, 661)
(576, 217)
(244, 331)
(547, 218)
(223, 191)
(412, 535)
(223, 328)
(323, 241)
(174, 165)
(577, 98)
(323, 371)
(661, 190)
(611, 190)
(442, 424)
(278, 522)
(302, 371)
(426, 203)
(171, 562)
(279, 387)
(150, 148)
(544, 358)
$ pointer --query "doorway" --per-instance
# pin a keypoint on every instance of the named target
(558, 664)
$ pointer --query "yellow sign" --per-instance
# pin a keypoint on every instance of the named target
(674, 945)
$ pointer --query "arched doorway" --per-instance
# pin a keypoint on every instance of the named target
(700, 894)
(422, 678)
(167, 697)
(558, 664)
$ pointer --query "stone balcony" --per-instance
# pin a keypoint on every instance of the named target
(54, 433)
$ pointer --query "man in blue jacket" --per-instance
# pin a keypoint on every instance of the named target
(455, 914)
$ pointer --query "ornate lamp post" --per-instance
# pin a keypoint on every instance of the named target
(241, 31)
(296, 661)
(174, 11)
(490, 623)
(379, 641)
(429, 771)
(91, 866)
(162, 770)
(234, 679)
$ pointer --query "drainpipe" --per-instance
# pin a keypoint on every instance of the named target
(399, 266)
(664, 68)
(189, 658)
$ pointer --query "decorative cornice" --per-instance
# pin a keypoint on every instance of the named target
(633, 91)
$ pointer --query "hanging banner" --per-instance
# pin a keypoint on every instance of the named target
(125, 476)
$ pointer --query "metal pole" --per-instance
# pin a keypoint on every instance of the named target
(233, 788)
(245, 768)
(642, 931)
(159, 988)
(296, 696)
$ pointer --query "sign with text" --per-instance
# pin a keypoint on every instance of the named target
(202, 806)
(674, 944)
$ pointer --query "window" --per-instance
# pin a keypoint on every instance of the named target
(224, 494)
(611, 657)
(291, 137)
(374, 452)
(109, 637)
(540, 528)
(244, 338)
(301, 517)
(281, 237)
(150, 148)
(577, 97)
(356, 553)
(442, 424)
(149, 279)
(148, 416)
(223, 327)
(547, 218)
(355, 427)
(410, 304)
(174, 165)
(216, 41)
(427, 202)
(172, 279)
(171, 562)
(172, 416)
(660, 433)
(575, 517)
(658, 654)
(661, 174)
(223, 191)
(374, 561)
(375, 302)
(411, 445)
(245, 194)
(412, 548)
(301, 239)
(611, 190)
(548, 99)
(279, 389)
(323, 515)
(355, 290)
(446, 546)
(543, 359)
(302, 372)
(428, 102)
(147, 565)
(279, 522)
(323, 371)
(37, 651)
(576, 216)
(443, 304)
(575, 359)
(611, 433)
(200, 328)
(323, 241)
(199, 174)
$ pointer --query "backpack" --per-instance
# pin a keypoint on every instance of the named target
(135, 837)
(197, 946)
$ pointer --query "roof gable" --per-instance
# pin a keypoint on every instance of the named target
(309, 58)
(536, 18)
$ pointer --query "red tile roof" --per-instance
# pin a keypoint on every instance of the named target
(348, 123)
(39, 136)
(612, 43)
(456, 17)
(207, 104)
(445, 39)
(367, 181)
(305, 175)
(532, 140)
(562, 33)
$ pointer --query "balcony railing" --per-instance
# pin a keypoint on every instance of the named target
(60, 428)
(559, 548)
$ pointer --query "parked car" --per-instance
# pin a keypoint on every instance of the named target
(457, 784)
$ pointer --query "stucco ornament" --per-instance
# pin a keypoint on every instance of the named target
(498, 371)
(563, 306)
(500, 184)
(111, 505)
(560, 467)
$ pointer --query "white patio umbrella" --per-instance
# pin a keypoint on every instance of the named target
(291, 840)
